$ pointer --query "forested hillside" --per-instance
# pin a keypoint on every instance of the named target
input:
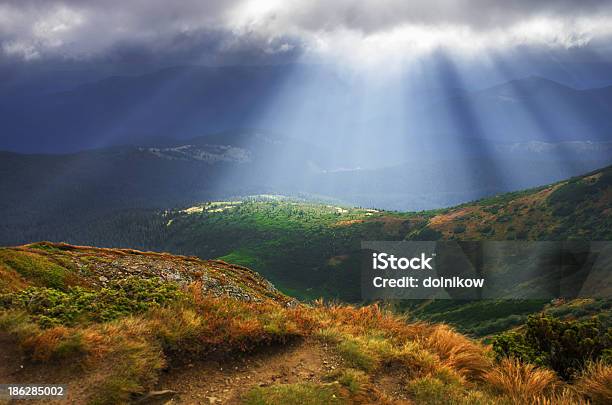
(310, 249)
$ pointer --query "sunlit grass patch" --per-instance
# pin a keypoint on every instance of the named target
(242, 257)
(358, 354)
(434, 391)
(353, 380)
(297, 394)
(37, 268)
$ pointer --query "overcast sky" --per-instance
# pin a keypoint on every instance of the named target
(269, 31)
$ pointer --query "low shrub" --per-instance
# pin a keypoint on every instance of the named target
(563, 345)
(51, 307)
(427, 234)
(573, 192)
(459, 228)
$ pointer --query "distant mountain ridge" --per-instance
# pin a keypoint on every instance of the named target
(183, 102)
(52, 196)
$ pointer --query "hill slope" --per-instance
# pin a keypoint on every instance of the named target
(320, 243)
(579, 208)
(56, 196)
(95, 320)
(64, 266)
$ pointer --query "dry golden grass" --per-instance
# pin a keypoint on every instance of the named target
(221, 324)
(123, 353)
(10, 280)
(564, 396)
(438, 362)
(468, 358)
(418, 360)
(53, 344)
(521, 382)
(596, 383)
(125, 356)
(369, 337)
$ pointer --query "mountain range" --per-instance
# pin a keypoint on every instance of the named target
(178, 136)
(51, 196)
(309, 102)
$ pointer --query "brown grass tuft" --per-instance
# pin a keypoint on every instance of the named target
(521, 382)
(467, 357)
(565, 396)
(55, 343)
(596, 383)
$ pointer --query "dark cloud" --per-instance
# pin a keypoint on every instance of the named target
(222, 31)
(375, 15)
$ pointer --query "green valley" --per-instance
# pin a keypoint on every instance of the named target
(311, 249)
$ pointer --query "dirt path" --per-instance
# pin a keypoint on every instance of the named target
(224, 382)
(10, 359)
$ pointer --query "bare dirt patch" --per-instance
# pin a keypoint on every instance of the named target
(224, 381)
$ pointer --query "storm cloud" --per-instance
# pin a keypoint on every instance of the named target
(222, 31)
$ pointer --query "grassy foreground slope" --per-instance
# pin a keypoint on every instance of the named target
(121, 326)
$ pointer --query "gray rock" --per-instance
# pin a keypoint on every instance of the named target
(157, 397)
